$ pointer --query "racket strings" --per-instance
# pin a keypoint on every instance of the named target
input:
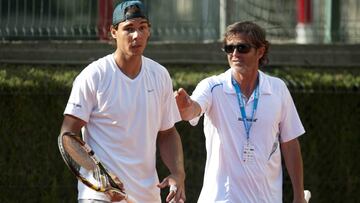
(77, 154)
(79, 159)
(101, 178)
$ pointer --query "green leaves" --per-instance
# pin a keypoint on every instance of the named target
(31, 79)
(319, 79)
(55, 79)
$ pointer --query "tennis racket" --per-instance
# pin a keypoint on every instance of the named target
(87, 168)
(307, 195)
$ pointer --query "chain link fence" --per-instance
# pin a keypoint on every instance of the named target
(333, 21)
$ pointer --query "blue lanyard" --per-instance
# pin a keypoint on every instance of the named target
(247, 124)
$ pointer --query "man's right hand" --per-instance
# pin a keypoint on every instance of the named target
(183, 100)
(112, 194)
(188, 108)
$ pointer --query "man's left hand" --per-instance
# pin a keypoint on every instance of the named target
(177, 188)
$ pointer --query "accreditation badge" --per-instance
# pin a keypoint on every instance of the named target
(248, 153)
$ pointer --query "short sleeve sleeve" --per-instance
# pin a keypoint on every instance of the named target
(170, 112)
(82, 96)
(290, 125)
(202, 95)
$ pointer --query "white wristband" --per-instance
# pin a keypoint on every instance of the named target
(173, 188)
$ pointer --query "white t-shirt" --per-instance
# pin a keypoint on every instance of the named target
(227, 177)
(123, 118)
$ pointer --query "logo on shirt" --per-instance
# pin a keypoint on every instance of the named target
(150, 90)
(75, 105)
(248, 119)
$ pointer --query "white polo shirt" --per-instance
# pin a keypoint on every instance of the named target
(227, 178)
(123, 118)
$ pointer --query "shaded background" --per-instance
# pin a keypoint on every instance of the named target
(33, 98)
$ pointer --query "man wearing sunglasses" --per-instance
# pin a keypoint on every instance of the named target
(250, 119)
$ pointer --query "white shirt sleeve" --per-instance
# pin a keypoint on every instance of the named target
(170, 112)
(83, 96)
(290, 125)
(202, 95)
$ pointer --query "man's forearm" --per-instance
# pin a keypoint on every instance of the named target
(72, 124)
(293, 161)
(171, 151)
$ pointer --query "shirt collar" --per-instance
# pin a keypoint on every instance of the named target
(265, 87)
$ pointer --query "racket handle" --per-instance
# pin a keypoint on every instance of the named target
(130, 199)
(307, 195)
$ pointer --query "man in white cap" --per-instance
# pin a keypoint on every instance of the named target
(124, 105)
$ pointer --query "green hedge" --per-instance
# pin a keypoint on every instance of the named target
(32, 100)
(57, 78)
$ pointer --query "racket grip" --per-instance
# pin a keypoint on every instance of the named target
(130, 199)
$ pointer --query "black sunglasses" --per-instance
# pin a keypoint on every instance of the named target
(242, 48)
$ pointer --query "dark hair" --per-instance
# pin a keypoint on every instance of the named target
(254, 34)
